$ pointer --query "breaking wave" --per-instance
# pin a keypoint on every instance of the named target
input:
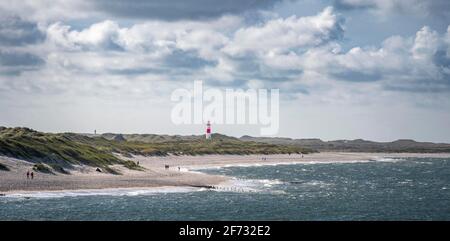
(101, 192)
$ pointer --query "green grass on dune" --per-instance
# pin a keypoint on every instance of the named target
(61, 151)
(57, 150)
(192, 145)
(39, 167)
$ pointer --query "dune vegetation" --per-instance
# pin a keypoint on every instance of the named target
(63, 150)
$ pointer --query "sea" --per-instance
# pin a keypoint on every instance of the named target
(383, 189)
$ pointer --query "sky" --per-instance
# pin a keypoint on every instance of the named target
(346, 69)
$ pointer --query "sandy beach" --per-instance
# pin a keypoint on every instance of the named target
(179, 174)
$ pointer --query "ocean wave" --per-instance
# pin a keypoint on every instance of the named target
(249, 185)
(389, 159)
(101, 192)
(260, 164)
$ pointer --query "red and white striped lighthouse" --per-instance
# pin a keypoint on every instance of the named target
(208, 130)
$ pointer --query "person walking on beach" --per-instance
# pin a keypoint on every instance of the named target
(179, 169)
(28, 174)
(32, 175)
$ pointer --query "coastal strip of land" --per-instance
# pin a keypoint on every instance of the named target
(168, 171)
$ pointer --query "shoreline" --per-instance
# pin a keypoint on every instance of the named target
(155, 177)
(219, 161)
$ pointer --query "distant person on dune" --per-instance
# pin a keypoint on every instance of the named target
(32, 175)
(28, 174)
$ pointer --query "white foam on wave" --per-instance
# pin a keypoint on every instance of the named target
(316, 183)
(249, 185)
(389, 159)
(259, 164)
(102, 192)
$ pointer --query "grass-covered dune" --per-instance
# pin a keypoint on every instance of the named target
(59, 151)
(192, 145)
(358, 145)
(63, 150)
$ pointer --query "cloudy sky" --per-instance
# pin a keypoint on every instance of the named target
(346, 69)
